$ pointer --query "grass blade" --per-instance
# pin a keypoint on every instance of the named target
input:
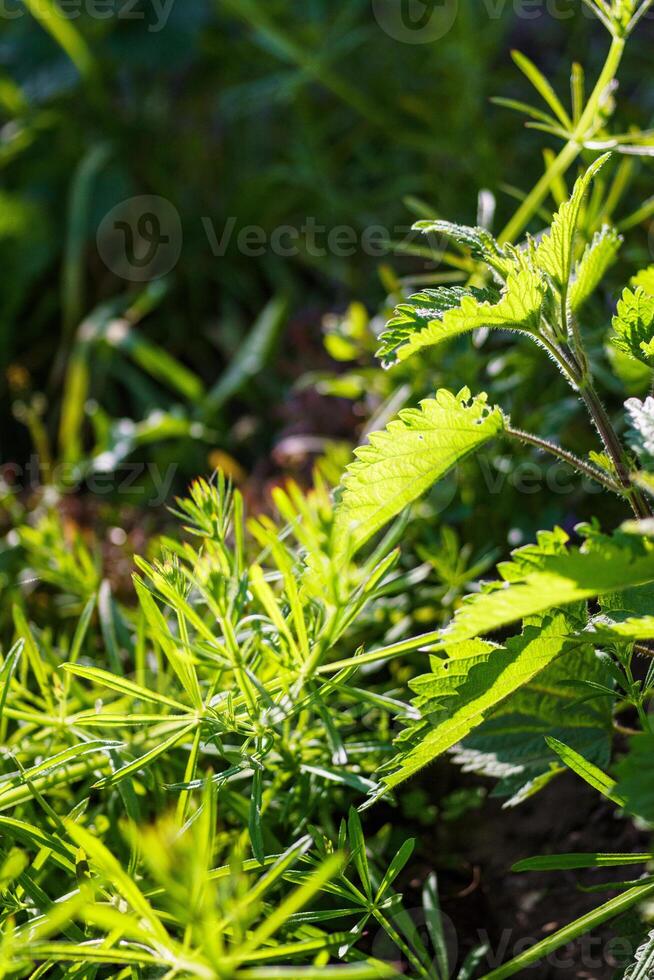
(574, 862)
(252, 356)
(145, 760)
(586, 770)
(51, 18)
(122, 685)
(611, 909)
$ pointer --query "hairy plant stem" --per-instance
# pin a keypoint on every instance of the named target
(569, 367)
(613, 447)
(580, 352)
(572, 148)
(574, 461)
(575, 367)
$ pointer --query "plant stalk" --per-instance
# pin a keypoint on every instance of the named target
(574, 461)
(572, 148)
(614, 449)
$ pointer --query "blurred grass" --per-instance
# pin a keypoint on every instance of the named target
(262, 113)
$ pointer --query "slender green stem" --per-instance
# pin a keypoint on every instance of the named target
(580, 350)
(567, 457)
(642, 10)
(537, 195)
(575, 367)
(614, 449)
(569, 369)
(572, 148)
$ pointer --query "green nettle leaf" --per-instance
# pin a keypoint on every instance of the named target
(405, 459)
(627, 630)
(624, 616)
(416, 325)
(633, 325)
(555, 252)
(423, 309)
(511, 746)
(546, 576)
(598, 256)
(641, 429)
(463, 690)
(635, 780)
(478, 241)
(644, 279)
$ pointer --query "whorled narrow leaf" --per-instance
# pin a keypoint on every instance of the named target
(147, 758)
(405, 459)
(101, 859)
(105, 678)
(53, 762)
(579, 861)
(86, 953)
(555, 252)
(32, 836)
(50, 16)
(7, 672)
(586, 770)
(543, 87)
(432, 318)
(358, 853)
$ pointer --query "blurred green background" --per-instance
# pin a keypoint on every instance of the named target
(266, 113)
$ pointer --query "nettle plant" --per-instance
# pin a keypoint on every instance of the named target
(549, 697)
